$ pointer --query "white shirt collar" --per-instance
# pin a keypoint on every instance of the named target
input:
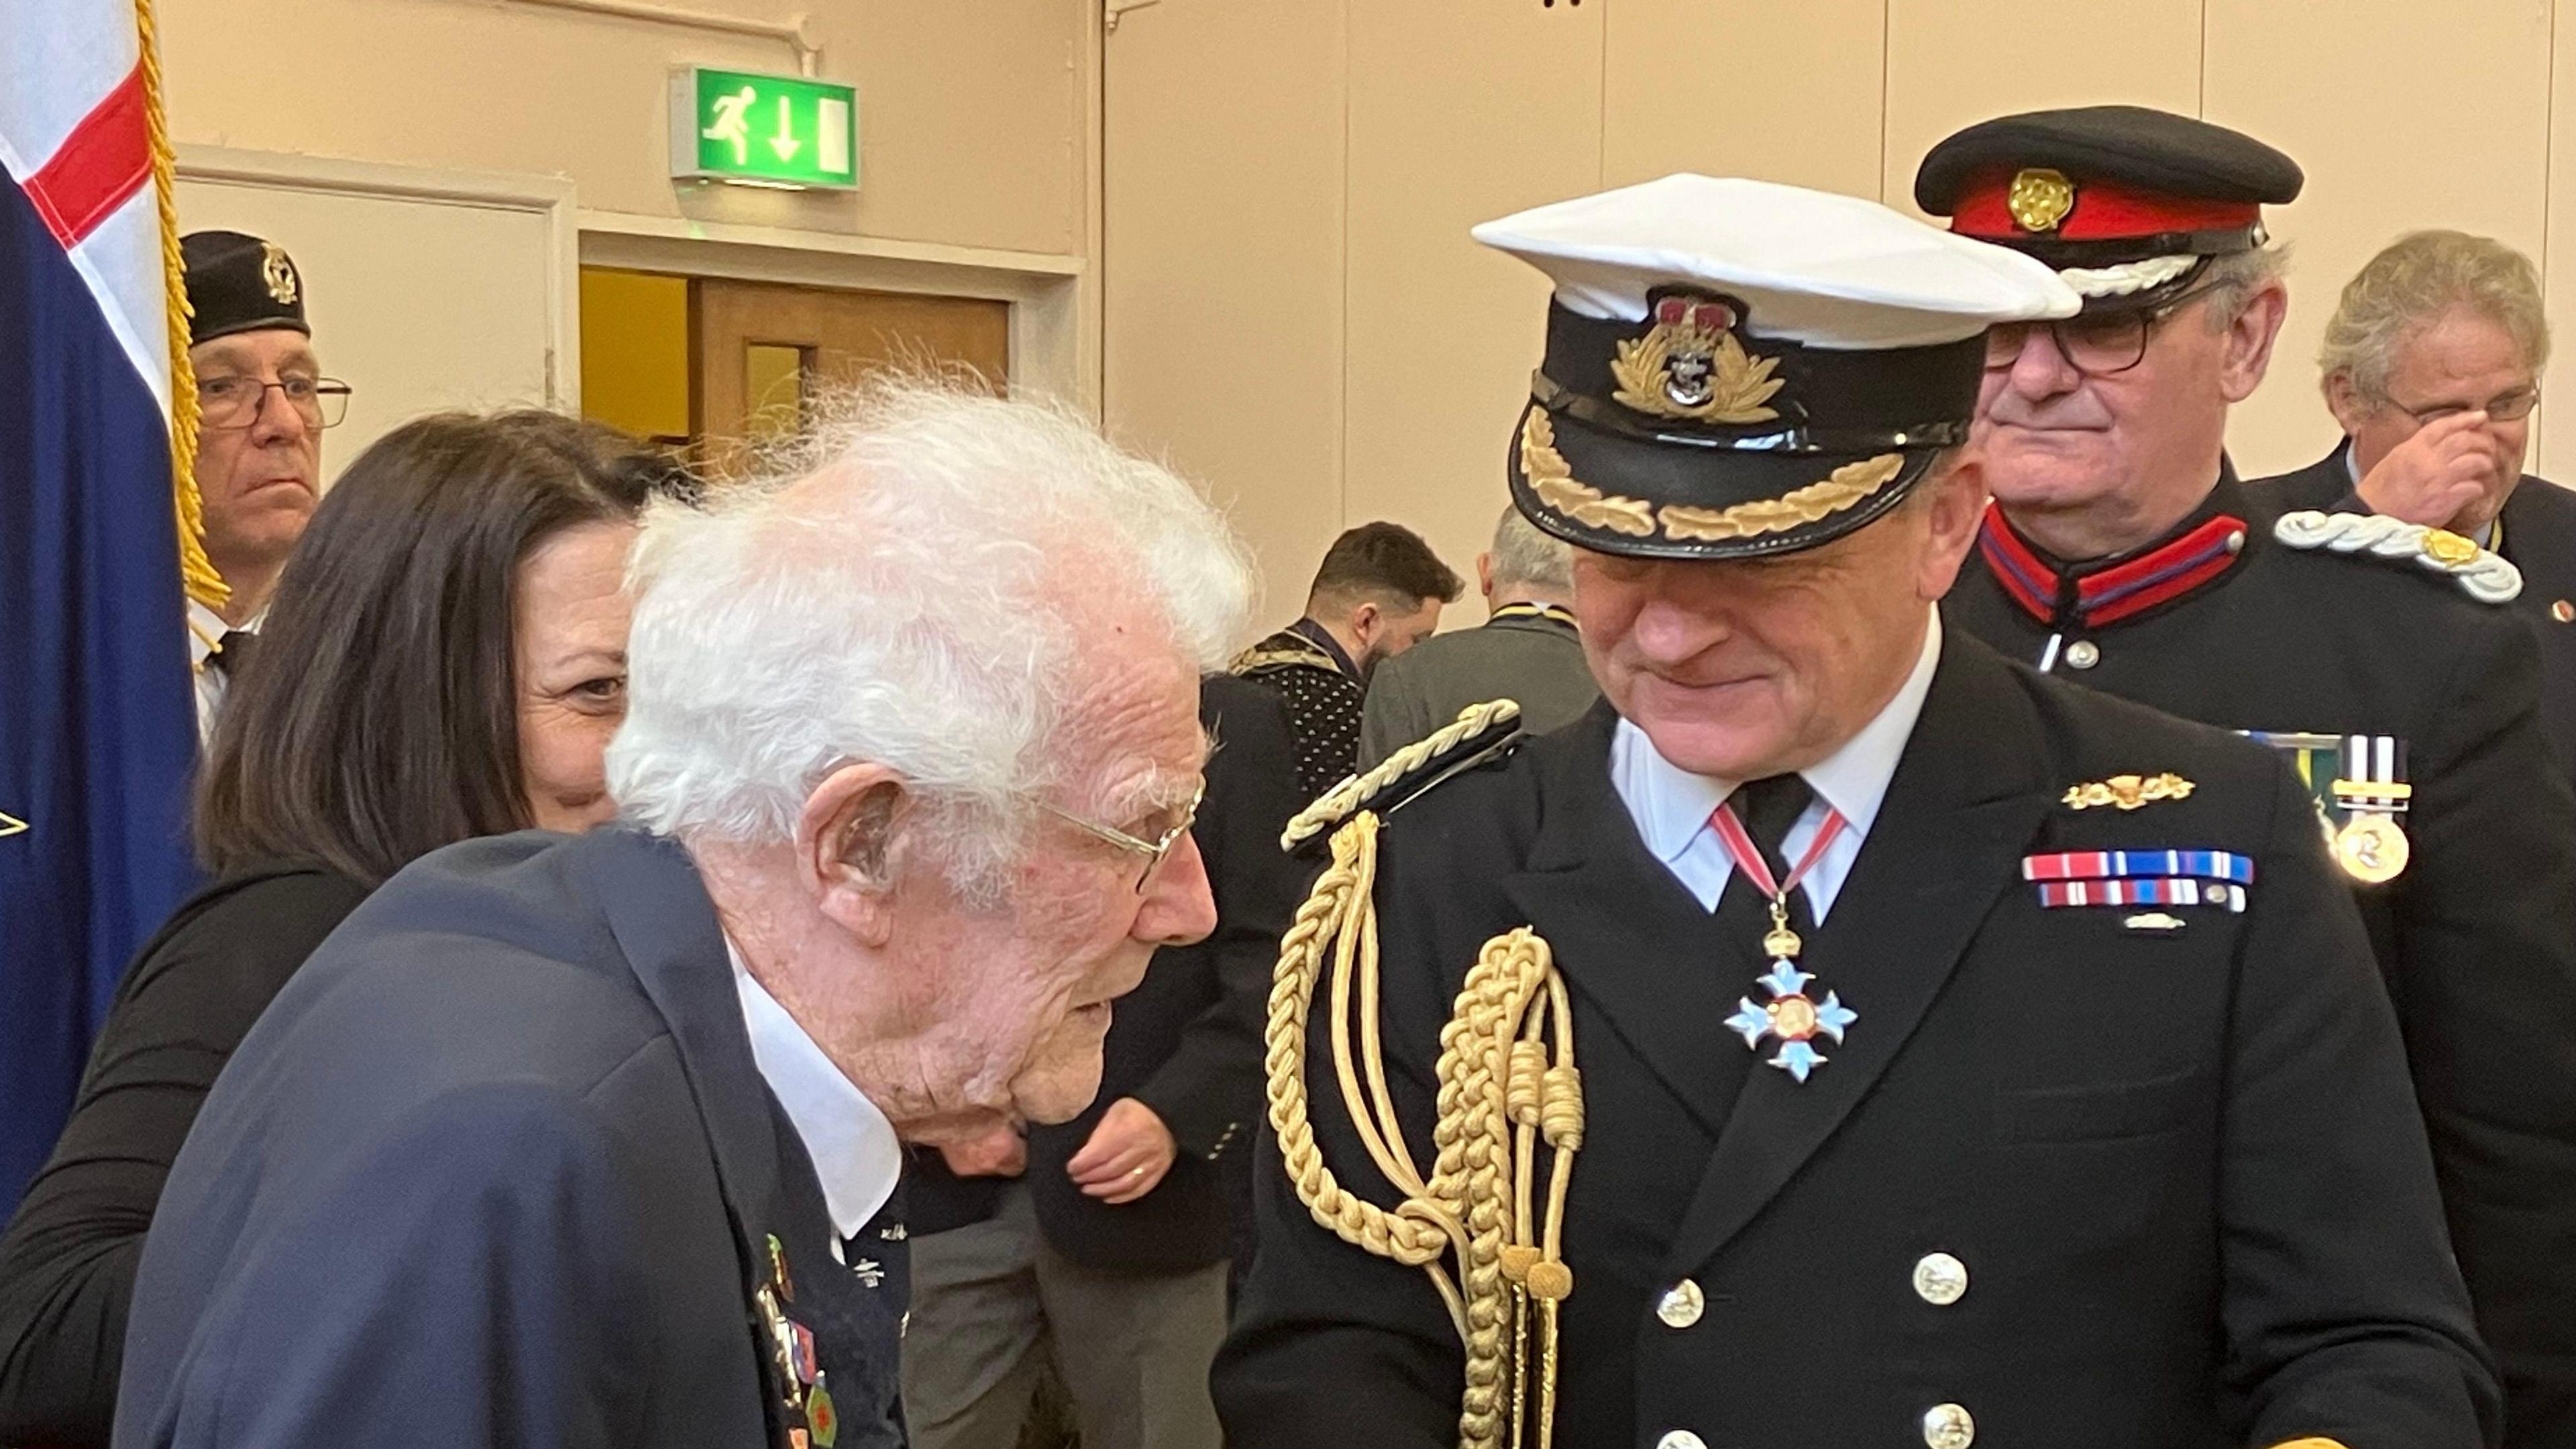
(205, 631)
(1671, 805)
(854, 1149)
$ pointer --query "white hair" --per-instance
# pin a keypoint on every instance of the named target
(1524, 555)
(910, 591)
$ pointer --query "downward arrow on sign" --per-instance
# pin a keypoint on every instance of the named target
(785, 142)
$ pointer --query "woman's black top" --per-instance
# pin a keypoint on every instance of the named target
(68, 1258)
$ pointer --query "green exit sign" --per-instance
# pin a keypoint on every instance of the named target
(773, 130)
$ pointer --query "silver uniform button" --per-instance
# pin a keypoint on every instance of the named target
(1681, 1439)
(2083, 654)
(1940, 1279)
(1947, 1426)
(1681, 1304)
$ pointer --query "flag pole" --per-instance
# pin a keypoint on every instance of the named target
(196, 571)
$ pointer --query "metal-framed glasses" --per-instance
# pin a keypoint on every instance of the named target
(1155, 851)
(2096, 344)
(233, 401)
(2505, 407)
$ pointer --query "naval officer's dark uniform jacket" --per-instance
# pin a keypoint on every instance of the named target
(499, 1168)
(2180, 1171)
(2537, 534)
(2476, 938)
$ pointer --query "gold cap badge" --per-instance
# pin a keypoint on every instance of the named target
(2040, 199)
(278, 272)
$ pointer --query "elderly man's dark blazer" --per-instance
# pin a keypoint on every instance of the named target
(498, 1168)
(2539, 539)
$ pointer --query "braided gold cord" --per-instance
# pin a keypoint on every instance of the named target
(1343, 800)
(1501, 1095)
(196, 572)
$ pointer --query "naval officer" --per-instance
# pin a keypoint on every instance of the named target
(1843, 1036)
(2383, 658)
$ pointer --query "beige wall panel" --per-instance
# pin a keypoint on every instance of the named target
(2404, 115)
(1222, 263)
(971, 115)
(2554, 443)
(1783, 92)
(1460, 111)
(1951, 63)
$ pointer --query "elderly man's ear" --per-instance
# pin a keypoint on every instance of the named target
(845, 845)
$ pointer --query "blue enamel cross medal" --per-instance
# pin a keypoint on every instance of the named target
(1791, 1016)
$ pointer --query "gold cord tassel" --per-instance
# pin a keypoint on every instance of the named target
(1502, 1095)
(196, 571)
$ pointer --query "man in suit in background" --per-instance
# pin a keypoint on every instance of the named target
(1526, 652)
(1102, 1245)
(2432, 366)
(263, 403)
(593, 1140)
(1378, 593)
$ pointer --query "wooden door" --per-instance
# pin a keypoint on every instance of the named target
(760, 353)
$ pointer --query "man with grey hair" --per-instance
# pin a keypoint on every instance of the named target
(593, 1140)
(2432, 367)
(2124, 553)
(1526, 651)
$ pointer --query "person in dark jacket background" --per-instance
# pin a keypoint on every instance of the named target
(446, 659)
(1104, 1243)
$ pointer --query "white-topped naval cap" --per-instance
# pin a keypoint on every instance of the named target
(1809, 266)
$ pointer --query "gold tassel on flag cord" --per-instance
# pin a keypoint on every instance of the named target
(1500, 1096)
(196, 571)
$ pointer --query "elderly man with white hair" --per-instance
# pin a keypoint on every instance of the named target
(591, 1140)
(2431, 365)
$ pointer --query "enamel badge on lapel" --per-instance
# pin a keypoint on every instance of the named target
(1691, 364)
(1791, 1016)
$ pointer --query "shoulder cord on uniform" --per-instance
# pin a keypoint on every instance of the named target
(2486, 576)
(1501, 1093)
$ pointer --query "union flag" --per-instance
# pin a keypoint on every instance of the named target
(97, 733)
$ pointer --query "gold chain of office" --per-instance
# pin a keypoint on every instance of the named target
(1507, 1085)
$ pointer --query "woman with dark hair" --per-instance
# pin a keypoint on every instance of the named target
(445, 659)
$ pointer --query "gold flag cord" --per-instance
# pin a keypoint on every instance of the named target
(1502, 1092)
(196, 571)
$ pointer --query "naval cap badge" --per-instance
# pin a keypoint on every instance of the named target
(1690, 364)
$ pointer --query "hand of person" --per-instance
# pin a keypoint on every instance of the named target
(2447, 469)
(1001, 1152)
(1127, 1155)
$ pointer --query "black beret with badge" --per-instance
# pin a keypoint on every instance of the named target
(239, 283)
(2128, 203)
(1737, 368)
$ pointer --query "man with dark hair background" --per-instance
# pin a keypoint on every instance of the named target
(1378, 593)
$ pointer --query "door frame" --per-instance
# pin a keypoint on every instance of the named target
(1054, 315)
(550, 197)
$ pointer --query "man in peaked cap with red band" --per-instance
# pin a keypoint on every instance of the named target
(2123, 553)
(1963, 1057)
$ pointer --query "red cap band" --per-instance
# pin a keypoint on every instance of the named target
(2102, 211)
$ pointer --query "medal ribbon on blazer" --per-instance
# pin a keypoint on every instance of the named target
(2140, 877)
(1792, 1016)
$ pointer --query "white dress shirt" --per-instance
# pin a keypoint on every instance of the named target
(205, 632)
(1672, 806)
(852, 1144)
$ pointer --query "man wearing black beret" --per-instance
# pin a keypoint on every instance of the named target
(2123, 553)
(263, 403)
